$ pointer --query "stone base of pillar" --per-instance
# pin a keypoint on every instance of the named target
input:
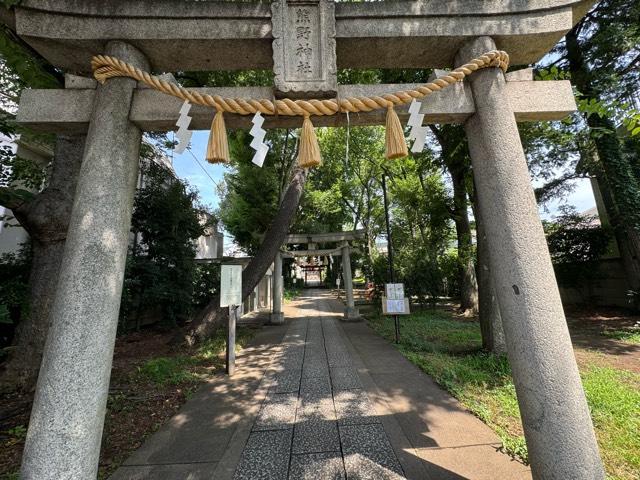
(276, 318)
(351, 314)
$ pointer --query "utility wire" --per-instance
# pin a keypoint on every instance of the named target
(217, 185)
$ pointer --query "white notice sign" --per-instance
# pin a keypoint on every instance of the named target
(395, 306)
(230, 285)
(395, 291)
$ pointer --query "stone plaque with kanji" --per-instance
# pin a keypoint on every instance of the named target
(304, 48)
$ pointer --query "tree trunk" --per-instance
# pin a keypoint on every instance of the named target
(46, 219)
(455, 155)
(488, 311)
(466, 267)
(211, 316)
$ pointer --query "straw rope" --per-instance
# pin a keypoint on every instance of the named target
(105, 67)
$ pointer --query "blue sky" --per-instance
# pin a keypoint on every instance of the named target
(581, 198)
(199, 174)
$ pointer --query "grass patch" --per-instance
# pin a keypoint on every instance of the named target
(291, 293)
(184, 369)
(168, 370)
(449, 350)
(614, 400)
(213, 347)
(431, 331)
(629, 336)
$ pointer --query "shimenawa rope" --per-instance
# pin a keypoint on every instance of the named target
(105, 67)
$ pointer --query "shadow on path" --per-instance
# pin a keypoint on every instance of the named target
(320, 399)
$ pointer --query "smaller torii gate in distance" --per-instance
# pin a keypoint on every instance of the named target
(343, 249)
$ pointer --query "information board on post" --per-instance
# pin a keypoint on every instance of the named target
(394, 302)
(231, 296)
(230, 285)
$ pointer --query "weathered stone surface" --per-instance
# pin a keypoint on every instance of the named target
(278, 412)
(314, 436)
(317, 466)
(238, 35)
(266, 456)
(344, 378)
(317, 445)
(368, 453)
(304, 48)
(276, 315)
(351, 312)
(522, 75)
(78, 82)
(554, 411)
(201, 471)
(353, 407)
(313, 386)
(287, 381)
(65, 430)
(69, 111)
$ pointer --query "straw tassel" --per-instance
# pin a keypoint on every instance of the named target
(218, 146)
(309, 150)
(395, 144)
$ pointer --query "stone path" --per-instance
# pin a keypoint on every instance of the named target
(321, 399)
(317, 421)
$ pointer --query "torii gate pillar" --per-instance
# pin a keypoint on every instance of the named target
(277, 317)
(554, 411)
(351, 312)
(65, 430)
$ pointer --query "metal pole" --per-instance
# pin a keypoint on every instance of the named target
(396, 319)
(231, 340)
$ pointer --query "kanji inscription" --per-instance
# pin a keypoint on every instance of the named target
(304, 47)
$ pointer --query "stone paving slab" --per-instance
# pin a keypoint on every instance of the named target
(266, 456)
(471, 462)
(344, 378)
(368, 453)
(314, 436)
(353, 407)
(315, 369)
(278, 412)
(189, 471)
(287, 381)
(317, 466)
(314, 386)
(316, 407)
(339, 360)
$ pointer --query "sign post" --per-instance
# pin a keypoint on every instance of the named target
(395, 303)
(231, 296)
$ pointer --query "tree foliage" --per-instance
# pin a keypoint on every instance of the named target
(14, 291)
(251, 195)
(576, 244)
(161, 263)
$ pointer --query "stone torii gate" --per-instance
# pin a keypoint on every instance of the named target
(342, 250)
(63, 440)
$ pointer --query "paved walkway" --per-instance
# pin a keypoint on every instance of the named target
(321, 399)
